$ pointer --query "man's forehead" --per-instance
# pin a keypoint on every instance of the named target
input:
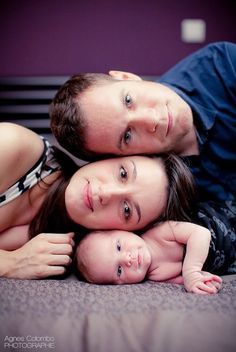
(98, 92)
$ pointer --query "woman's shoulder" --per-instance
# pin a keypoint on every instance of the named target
(12, 135)
(20, 148)
(11, 132)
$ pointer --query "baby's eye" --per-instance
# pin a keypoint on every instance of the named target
(119, 271)
(118, 246)
(127, 136)
(123, 173)
(128, 100)
(127, 211)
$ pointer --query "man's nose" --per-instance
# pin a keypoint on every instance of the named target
(145, 118)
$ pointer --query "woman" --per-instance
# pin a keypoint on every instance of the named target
(41, 192)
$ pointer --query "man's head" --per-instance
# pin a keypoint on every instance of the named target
(68, 121)
(113, 257)
(119, 114)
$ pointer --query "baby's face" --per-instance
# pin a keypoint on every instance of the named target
(116, 257)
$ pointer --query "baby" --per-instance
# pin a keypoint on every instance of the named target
(171, 251)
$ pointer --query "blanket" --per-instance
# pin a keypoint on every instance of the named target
(74, 316)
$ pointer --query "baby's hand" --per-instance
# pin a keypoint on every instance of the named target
(202, 282)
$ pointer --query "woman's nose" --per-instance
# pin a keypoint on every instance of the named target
(108, 192)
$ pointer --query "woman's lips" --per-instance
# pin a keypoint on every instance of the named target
(88, 196)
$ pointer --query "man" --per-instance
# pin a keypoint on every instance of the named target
(190, 111)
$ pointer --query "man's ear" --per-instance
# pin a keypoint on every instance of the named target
(122, 75)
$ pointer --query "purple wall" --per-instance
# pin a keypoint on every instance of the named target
(63, 37)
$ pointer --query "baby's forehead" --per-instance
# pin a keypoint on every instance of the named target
(109, 233)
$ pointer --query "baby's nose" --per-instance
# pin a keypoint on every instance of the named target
(127, 258)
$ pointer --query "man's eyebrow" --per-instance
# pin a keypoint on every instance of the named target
(120, 139)
(119, 142)
(136, 205)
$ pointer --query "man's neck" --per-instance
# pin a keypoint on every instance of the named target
(189, 146)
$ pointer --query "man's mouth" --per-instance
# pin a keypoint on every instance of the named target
(169, 121)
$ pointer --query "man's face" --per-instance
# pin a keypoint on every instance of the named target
(133, 116)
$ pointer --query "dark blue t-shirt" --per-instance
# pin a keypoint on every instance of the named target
(206, 80)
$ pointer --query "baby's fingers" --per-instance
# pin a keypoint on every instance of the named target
(203, 288)
(210, 277)
(215, 284)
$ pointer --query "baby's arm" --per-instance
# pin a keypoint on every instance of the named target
(197, 240)
(176, 280)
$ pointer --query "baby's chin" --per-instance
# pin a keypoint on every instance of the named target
(145, 259)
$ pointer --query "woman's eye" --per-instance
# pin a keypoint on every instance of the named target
(123, 173)
(118, 246)
(127, 211)
(119, 271)
(127, 136)
(128, 100)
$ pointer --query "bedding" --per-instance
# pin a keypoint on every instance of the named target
(71, 315)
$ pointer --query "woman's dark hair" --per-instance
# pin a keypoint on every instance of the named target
(181, 189)
(52, 215)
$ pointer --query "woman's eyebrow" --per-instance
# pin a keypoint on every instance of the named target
(134, 177)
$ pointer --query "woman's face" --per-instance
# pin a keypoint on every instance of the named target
(123, 193)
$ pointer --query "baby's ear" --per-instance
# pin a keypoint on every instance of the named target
(123, 75)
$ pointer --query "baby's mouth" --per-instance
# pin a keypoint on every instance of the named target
(88, 196)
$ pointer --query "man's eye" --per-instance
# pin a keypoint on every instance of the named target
(127, 136)
(127, 211)
(128, 100)
(119, 271)
(123, 173)
(118, 246)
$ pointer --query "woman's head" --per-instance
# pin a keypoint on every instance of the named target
(121, 193)
(129, 193)
(126, 193)
(112, 257)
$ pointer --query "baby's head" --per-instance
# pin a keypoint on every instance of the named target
(113, 257)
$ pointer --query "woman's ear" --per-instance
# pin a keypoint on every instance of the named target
(122, 75)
